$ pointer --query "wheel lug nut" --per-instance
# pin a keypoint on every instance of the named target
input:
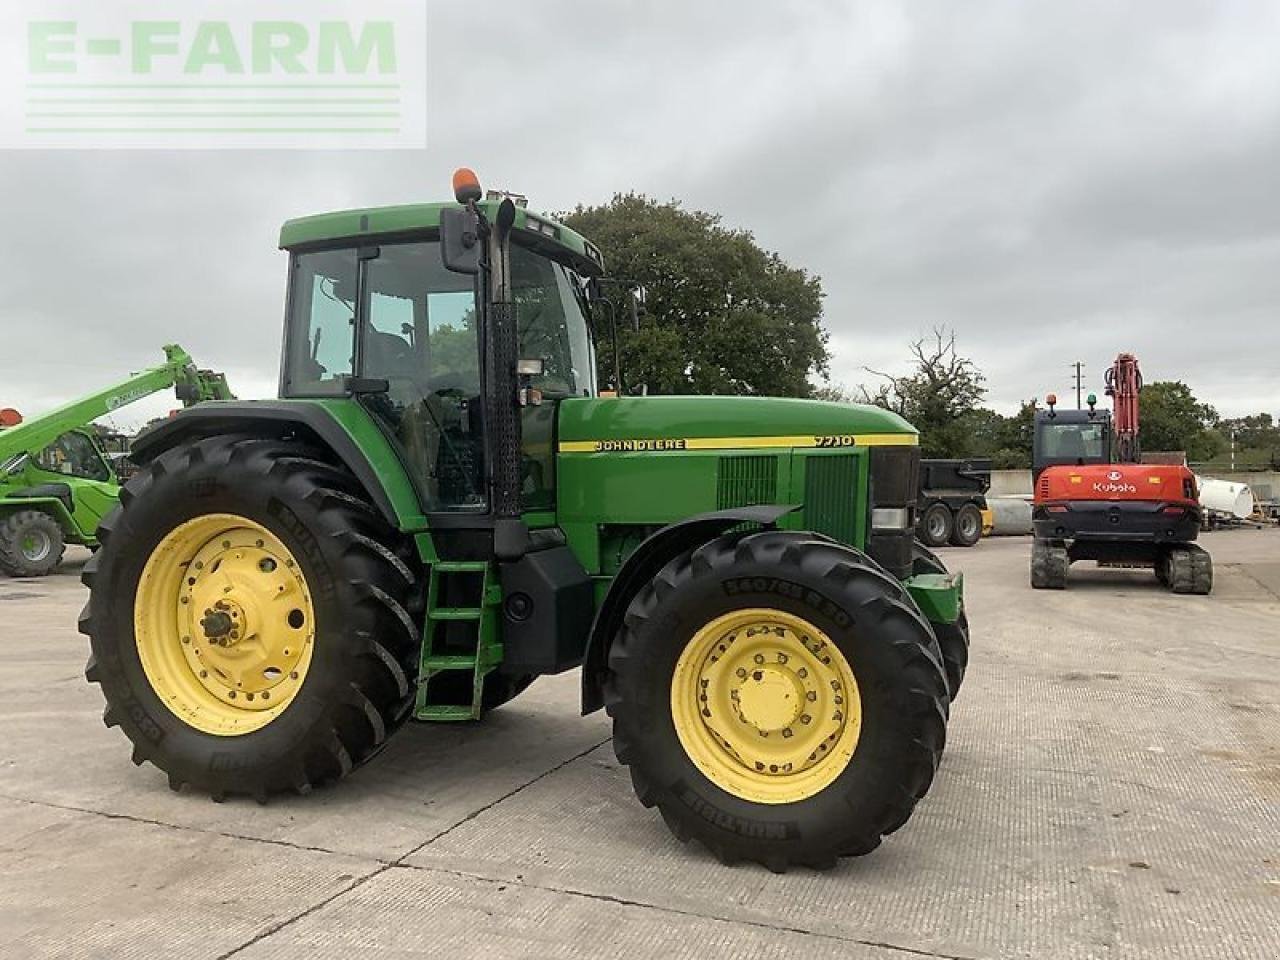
(805, 718)
(811, 696)
(741, 673)
(759, 658)
(802, 673)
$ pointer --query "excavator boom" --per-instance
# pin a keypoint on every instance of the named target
(1124, 383)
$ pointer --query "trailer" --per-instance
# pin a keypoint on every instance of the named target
(952, 502)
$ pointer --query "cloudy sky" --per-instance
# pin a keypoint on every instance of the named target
(1055, 181)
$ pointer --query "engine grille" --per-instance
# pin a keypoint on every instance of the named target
(746, 481)
(831, 496)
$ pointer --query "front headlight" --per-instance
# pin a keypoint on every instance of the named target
(890, 518)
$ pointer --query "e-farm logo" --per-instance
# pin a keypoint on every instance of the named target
(205, 74)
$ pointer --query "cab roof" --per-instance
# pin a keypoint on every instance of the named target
(372, 223)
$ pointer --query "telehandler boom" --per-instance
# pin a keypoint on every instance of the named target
(56, 482)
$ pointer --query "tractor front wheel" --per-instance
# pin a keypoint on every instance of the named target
(779, 698)
(31, 544)
(247, 618)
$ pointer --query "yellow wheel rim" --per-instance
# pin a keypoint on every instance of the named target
(224, 624)
(766, 706)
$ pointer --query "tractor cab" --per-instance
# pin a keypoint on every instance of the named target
(407, 324)
(1071, 437)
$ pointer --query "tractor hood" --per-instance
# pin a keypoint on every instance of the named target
(623, 424)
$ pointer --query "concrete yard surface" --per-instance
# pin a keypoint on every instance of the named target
(1111, 788)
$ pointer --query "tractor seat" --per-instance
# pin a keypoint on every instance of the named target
(59, 490)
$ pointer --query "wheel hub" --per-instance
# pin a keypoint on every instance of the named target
(766, 705)
(770, 699)
(36, 546)
(224, 624)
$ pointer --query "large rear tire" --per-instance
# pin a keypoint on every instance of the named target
(778, 698)
(953, 638)
(247, 618)
(31, 544)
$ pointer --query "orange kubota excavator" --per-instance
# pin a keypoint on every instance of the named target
(1094, 500)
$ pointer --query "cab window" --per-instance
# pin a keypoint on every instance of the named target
(422, 337)
(74, 455)
(1075, 441)
(322, 298)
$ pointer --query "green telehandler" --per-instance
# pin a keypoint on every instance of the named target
(57, 480)
(443, 505)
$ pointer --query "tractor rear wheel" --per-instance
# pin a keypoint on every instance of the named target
(953, 638)
(31, 544)
(936, 524)
(967, 529)
(779, 698)
(247, 618)
(1049, 565)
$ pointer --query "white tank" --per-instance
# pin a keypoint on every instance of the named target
(1226, 497)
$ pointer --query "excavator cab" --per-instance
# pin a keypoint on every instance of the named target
(1070, 438)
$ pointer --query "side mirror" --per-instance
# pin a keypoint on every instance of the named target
(460, 240)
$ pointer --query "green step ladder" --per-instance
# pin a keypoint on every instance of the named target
(484, 651)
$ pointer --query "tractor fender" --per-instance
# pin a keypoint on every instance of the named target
(267, 418)
(639, 568)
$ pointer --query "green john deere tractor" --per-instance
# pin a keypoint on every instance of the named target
(442, 506)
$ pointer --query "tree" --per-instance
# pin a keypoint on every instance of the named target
(936, 397)
(719, 314)
(1006, 441)
(1256, 439)
(1173, 419)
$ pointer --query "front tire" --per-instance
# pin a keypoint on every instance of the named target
(247, 618)
(746, 639)
(31, 544)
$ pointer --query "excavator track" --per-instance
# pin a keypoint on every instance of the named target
(1187, 568)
